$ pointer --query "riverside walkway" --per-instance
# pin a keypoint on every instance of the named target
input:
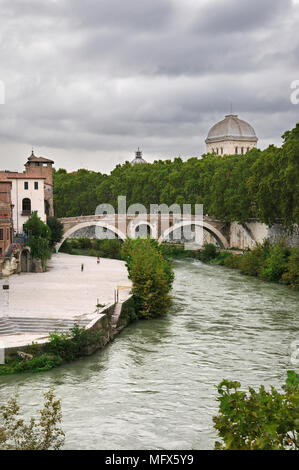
(64, 295)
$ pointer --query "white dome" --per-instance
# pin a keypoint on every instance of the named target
(231, 128)
(138, 158)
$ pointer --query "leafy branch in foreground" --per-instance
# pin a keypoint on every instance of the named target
(259, 420)
(44, 434)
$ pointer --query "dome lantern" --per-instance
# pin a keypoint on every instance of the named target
(138, 157)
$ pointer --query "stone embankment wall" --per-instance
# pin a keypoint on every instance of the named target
(246, 235)
(102, 323)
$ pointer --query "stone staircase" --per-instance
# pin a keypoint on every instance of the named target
(7, 327)
(18, 325)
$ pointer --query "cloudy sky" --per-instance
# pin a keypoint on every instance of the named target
(88, 81)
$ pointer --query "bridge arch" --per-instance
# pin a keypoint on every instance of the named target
(210, 228)
(99, 223)
(134, 225)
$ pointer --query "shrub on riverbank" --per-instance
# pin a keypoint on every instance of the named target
(291, 276)
(107, 248)
(72, 345)
(151, 274)
(258, 420)
(39, 363)
(176, 251)
(208, 253)
(62, 347)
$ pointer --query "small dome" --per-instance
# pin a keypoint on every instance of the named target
(231, 128)
(138, 158)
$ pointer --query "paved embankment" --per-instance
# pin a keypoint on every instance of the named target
(64, 295)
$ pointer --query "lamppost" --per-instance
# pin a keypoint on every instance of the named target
(4, 296)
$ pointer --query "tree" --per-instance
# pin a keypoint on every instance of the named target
(39, 238)
(260, 184)
(258, 420)
(151, 275)
(56, 228)
(35, 227)
(43, 434)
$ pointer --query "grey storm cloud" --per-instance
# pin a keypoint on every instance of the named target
(139, 15)
(235, 15)
(88, 81)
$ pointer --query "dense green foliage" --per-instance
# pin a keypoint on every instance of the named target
(208, 253)
(258, 420)
(151, 274)
(259, 184)
(39, 238)
(62, 347)
(75, 193)
(93, 247)
(44, 434)
(72, 345)
(56, 228)
(128, 314)
(275, 263)
(176, 251)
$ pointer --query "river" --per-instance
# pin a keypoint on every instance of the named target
(153, 387)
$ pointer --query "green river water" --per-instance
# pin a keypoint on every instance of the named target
(153, 387)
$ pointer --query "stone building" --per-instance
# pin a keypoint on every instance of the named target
(27, 194)
(31, 190)
(231, 136)
(6, 224)
(40, 167)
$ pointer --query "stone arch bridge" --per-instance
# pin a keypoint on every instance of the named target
(158, 226)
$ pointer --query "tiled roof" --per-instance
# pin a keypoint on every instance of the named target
(33, 158)
(23, 176)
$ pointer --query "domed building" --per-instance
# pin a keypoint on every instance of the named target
(138, 158)
(231, 136)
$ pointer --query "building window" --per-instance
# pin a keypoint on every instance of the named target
(1, 234)
(26, 206)
(248, 149)
(26, 185)
(7, 234)
(236, 150)
(221, 150)
(35, 184)
(242, 150)
(217, 151)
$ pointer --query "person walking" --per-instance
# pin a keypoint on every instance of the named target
(82, 267)
(98, 260)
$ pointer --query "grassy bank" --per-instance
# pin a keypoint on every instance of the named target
(273, 263)
(268, 262)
